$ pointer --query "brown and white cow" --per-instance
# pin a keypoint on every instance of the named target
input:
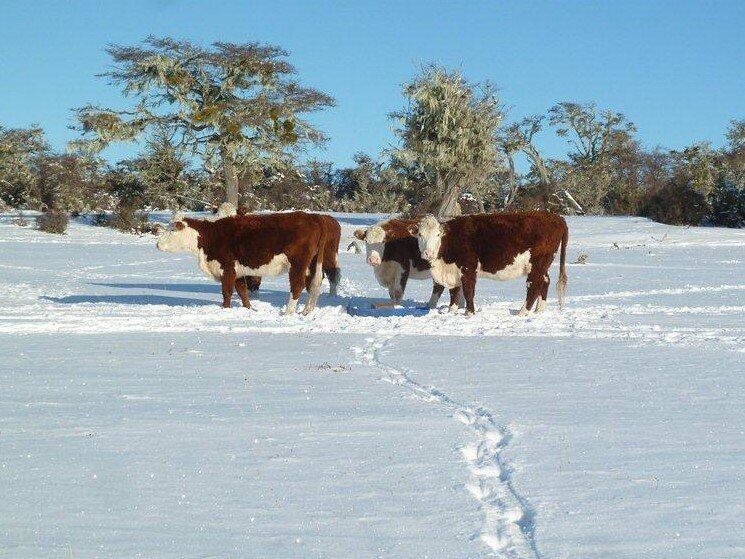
(499, 246)
(331, 256)
(394, 254)
(258, 245)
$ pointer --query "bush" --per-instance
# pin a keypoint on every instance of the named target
(52, 221)
(675, 204)
(622, 201)
(728, 204)
(127, 219)
(19, 220)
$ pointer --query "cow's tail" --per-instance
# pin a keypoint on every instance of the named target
(331, 260)
(316, 274)
(561, 285)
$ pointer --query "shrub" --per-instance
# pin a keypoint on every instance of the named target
(127, 219)
(675, 204)
(728, 204)
(19, 220)
(52, 221)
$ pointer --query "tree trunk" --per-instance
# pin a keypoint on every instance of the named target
(230, 177)
(449, 206)
(512, 192)
(543, 174)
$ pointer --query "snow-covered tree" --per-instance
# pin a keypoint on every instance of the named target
(19, 148)
(237, 106)
(448, 135)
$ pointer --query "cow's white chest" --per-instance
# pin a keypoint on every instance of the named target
(278, 265)
(445, 274)
(211, 268)
(388, 273)
(520, 267)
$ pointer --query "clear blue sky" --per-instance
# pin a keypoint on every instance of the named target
(676, 69)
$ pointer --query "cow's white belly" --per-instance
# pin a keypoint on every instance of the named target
(388, 273)
(445, 274)
(278, 265)
(520, 267)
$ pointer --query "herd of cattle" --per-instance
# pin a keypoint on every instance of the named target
(237, 249)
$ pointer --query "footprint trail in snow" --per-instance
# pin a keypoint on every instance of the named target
(508, 528)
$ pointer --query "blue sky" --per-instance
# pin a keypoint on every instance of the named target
(676, 69)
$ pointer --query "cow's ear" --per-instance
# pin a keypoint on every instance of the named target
(360, 234)
(179, 225)
(414, 230)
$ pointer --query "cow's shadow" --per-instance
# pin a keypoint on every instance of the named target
(276, 297)
(140, 299)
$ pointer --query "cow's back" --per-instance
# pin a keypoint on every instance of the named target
(496, 239)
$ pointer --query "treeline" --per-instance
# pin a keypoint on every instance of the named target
(229, 122)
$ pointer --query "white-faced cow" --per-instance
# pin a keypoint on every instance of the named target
(394, 254)
(498, 246)
(260, 245)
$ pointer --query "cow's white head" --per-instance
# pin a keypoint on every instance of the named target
(429, 233)
(374, 238)
(179, 238)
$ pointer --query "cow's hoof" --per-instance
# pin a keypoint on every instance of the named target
(452, 309)
(470, 313)
(522, 312)
(307, 311)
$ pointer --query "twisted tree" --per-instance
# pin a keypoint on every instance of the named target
(239, 107)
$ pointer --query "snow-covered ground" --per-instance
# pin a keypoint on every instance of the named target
(139, 419)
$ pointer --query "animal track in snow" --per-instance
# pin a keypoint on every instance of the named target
(508, 528)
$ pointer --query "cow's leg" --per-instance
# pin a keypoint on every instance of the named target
(535, 285)
(456, 298)
(396, 291)
(468, 284)
(334, 276)
(252, 283)
(228, 284)
(242, 288)
(297, 282)
(541, 303)
(315, 287)
(437, 290)
(309, 277)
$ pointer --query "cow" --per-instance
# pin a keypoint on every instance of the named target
(394, 255)
(259, 245)
(226, 209)
(499, 246)
(333, 234)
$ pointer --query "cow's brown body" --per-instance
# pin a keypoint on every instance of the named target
(500, 246)
(330, 256)
(261, 244)
(401, 260)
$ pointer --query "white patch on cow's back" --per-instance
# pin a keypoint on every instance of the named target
(278, 265)
(445, 274)
(520, 266)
